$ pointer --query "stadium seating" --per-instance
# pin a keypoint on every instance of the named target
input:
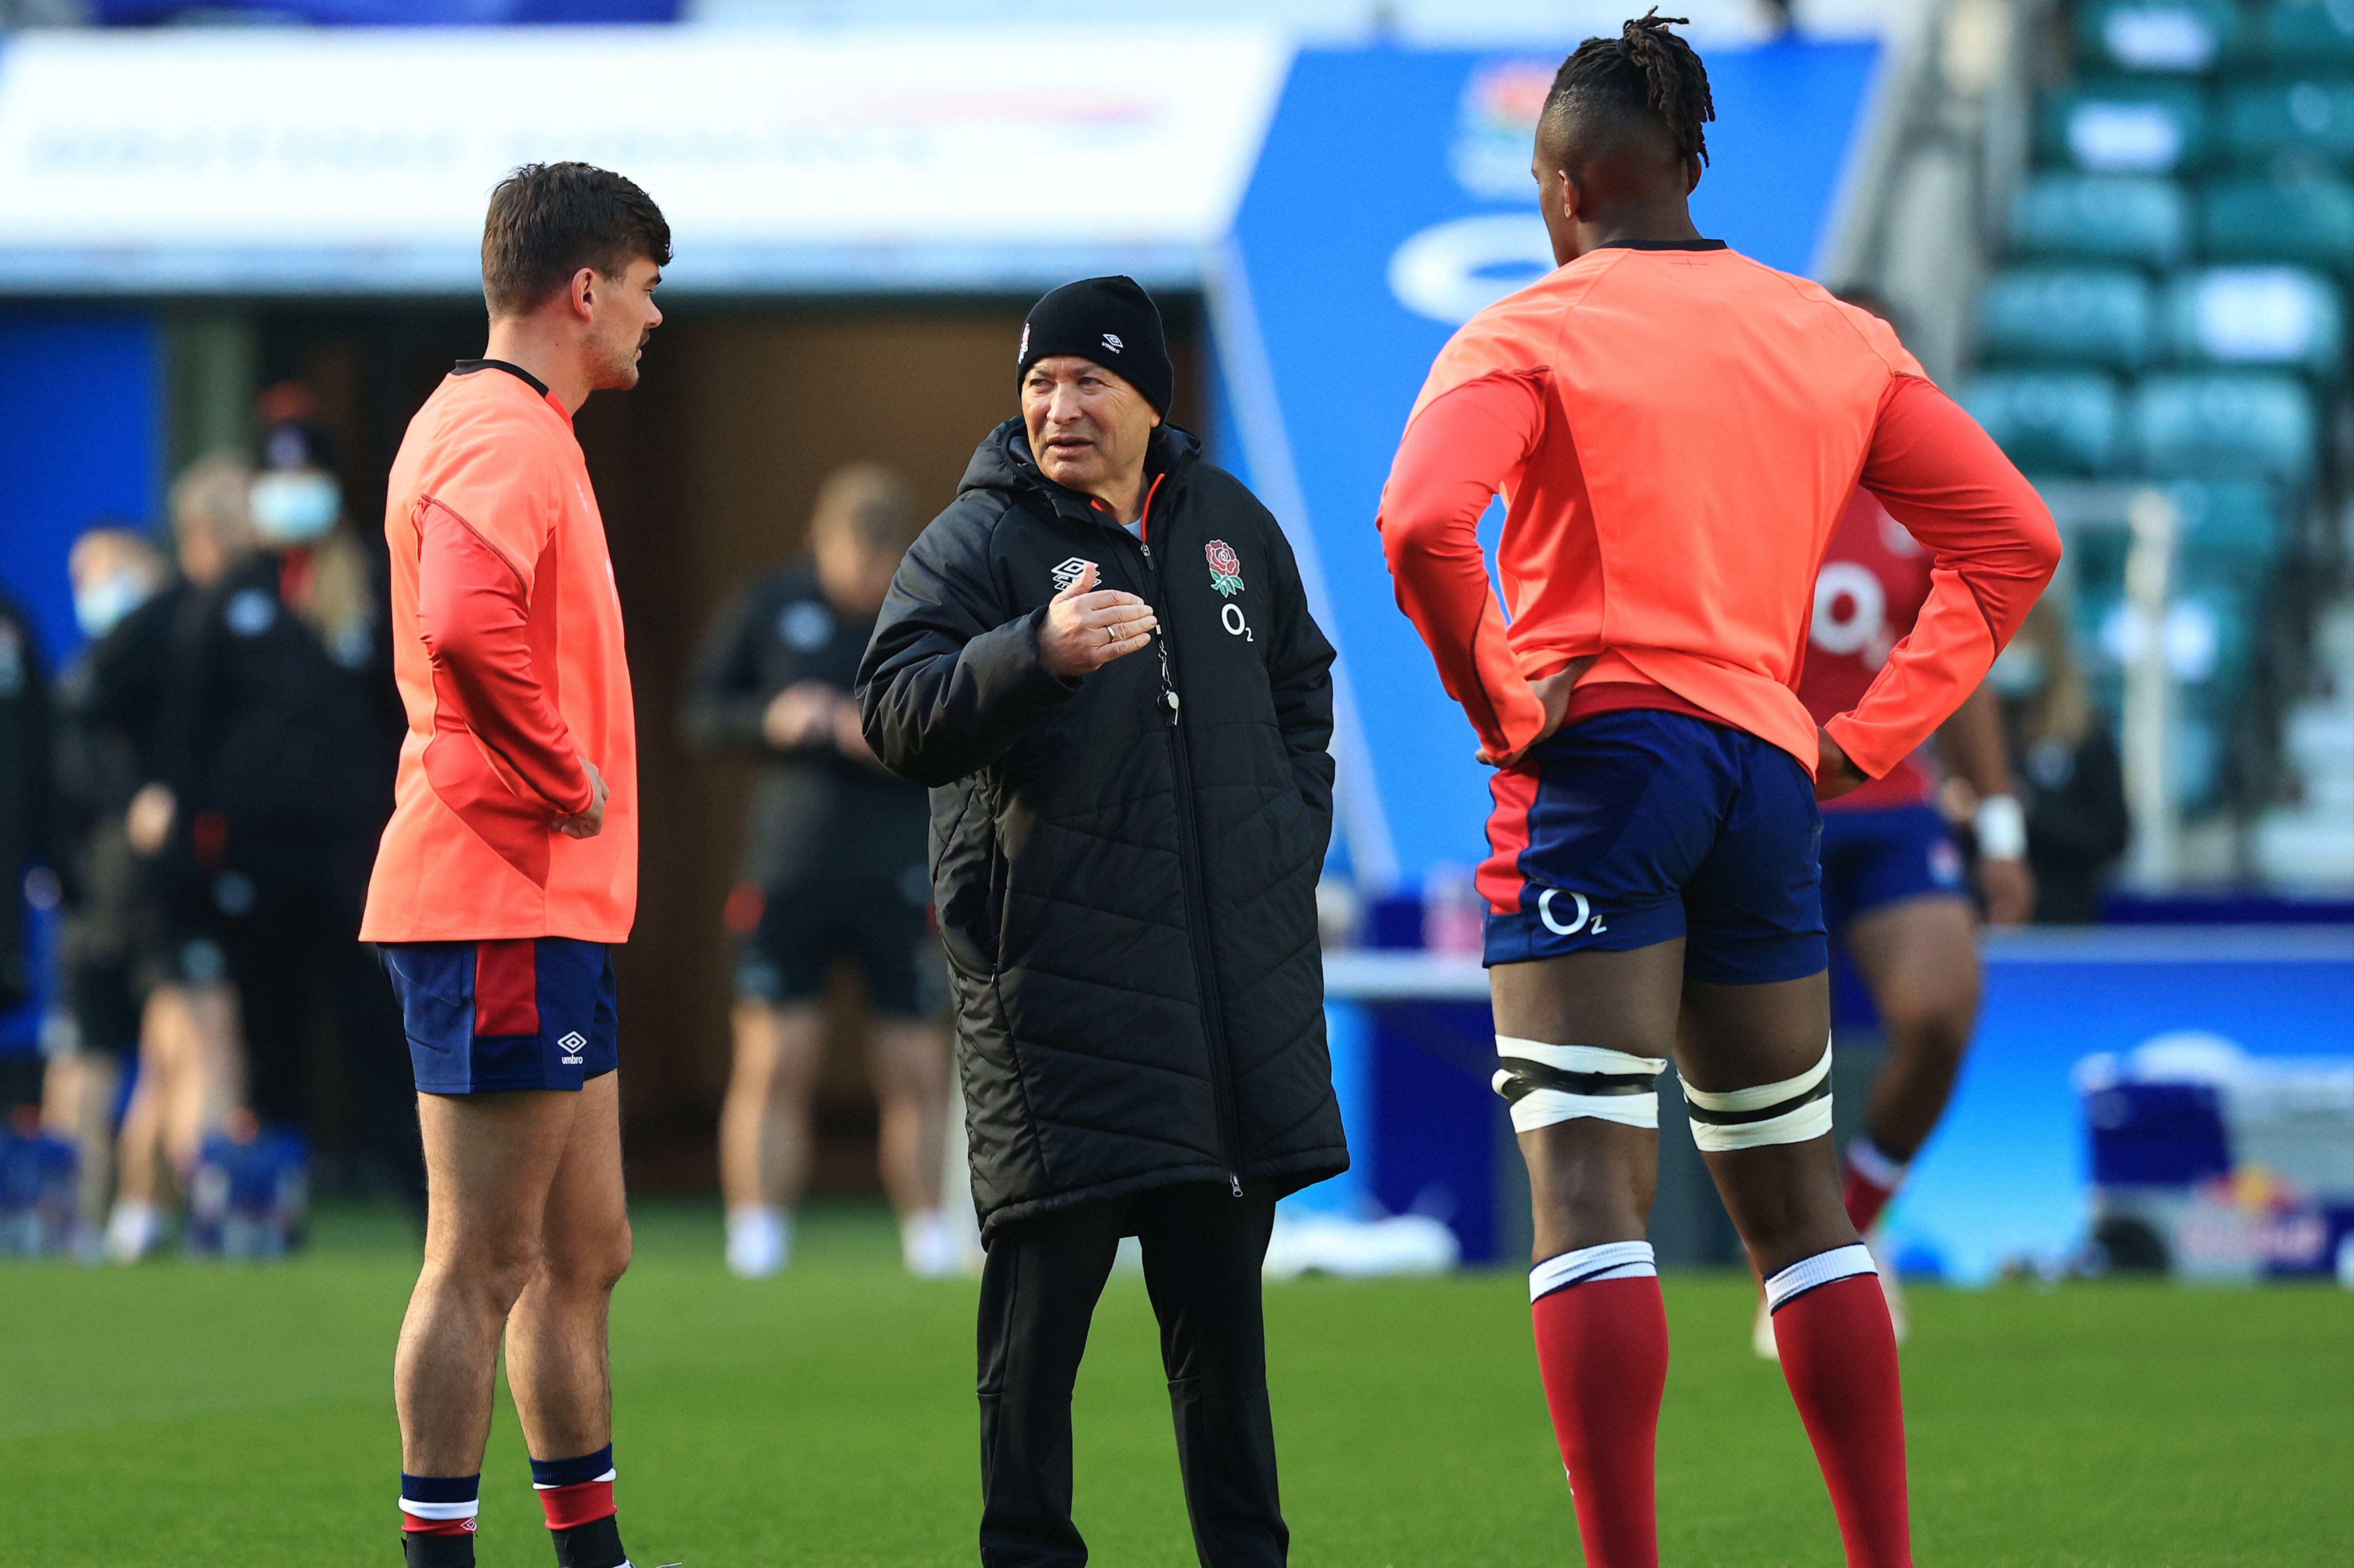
(2226, 425)
(2161, 36)
(2265, 122)
(2068, 315)
(2305, 221)
(2102, 217)
(2057, 422)
(2230, 533)
(2125, 126)
(2256, 315)
(2310, 35)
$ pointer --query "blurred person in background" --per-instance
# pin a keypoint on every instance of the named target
(834, 871)
(2068, 766)
(106, 701)
(1895, 886)
(278, 741)
(191, 1071)
(27, 844)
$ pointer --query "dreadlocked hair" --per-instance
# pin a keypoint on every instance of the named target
(1646, 67)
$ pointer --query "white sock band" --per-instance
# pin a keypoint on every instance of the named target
(1792, 1111)
(1550, 1084)
(558, 1486)
(1611, 1260)
(1786, 1284)
(1873, 1166)
(467, 1509)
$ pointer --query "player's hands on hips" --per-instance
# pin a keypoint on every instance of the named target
(1086, 628)
(1552, 693)
(2009, 888)
(1835, 775)
(587, 824)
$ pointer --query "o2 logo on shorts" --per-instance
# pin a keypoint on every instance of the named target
(572, 1045)
(1588, 921)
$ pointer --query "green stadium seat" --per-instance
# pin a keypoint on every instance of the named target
(2310, 221)
(2049, 421)
(2310, 35)
(2175, 37)
(2267, 123)
(2256, 315)
(2229, 535)
(2099, 315)
(2102, 217)
(2125, 126)
(2244, 425)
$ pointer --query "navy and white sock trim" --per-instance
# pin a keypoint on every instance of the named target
(1784, 1285)
(1611, 1260)
(547, 1474)
(441, 1498)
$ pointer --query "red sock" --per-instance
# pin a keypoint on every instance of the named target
(1839, 1357)
(1602, 1346)
(1871, 1179)
(571, 1507)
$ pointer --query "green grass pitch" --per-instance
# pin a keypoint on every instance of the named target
(189, 1415)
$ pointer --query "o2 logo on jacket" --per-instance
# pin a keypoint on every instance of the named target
(1225, 569)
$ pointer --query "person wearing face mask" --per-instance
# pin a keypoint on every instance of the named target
(191, 1062)
(278, 741)
(98, 768)
(25, 840)
(834, 869)
(2067, 764)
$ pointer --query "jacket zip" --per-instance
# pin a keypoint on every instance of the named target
(1197, 918)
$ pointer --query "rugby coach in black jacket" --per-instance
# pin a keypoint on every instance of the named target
(1101, 659)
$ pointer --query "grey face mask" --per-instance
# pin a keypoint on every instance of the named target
(296, 507)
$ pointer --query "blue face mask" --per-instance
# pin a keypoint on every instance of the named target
(102, 605)
(295, 508)
(2018, 672)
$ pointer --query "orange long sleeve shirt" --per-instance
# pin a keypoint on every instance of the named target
(1676, 432)
(508, 653)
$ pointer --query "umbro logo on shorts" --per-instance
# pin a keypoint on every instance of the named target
(1069, 572)
(572, 1045)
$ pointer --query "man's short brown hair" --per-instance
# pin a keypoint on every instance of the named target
(548, 221)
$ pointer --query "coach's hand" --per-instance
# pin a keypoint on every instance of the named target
(1086, 628)
(1835, 775)
(587, 824)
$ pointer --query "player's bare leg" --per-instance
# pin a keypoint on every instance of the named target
(555, 1332)
(1919, 959)
(764, 1129)
(490, 1160)
(1837, 1351)
(909, 1058)
(191, 1075)
(1600, 1332)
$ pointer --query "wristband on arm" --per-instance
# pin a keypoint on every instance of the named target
(2001, 828)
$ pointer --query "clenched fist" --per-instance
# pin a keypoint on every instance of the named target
(1087, 627)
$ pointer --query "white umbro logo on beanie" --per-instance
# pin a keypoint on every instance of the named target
(1111, 341)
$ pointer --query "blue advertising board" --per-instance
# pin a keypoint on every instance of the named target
(1391, 200)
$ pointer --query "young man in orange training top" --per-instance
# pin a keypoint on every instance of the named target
(1676, 430)
(510, 864)
(1893, 881)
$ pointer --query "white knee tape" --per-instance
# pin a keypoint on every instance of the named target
(1791, 1111)
(1552, 1084)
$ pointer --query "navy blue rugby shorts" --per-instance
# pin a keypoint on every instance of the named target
(1876, 856)
(1634, 827)
(528, 1013)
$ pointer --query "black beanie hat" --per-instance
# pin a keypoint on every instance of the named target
(1111, 321)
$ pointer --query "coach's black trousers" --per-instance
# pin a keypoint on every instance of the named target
(1203, 1250)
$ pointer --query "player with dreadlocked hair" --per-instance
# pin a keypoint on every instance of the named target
(1676, 430)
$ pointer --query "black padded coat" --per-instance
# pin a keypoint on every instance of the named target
(1125, 865)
